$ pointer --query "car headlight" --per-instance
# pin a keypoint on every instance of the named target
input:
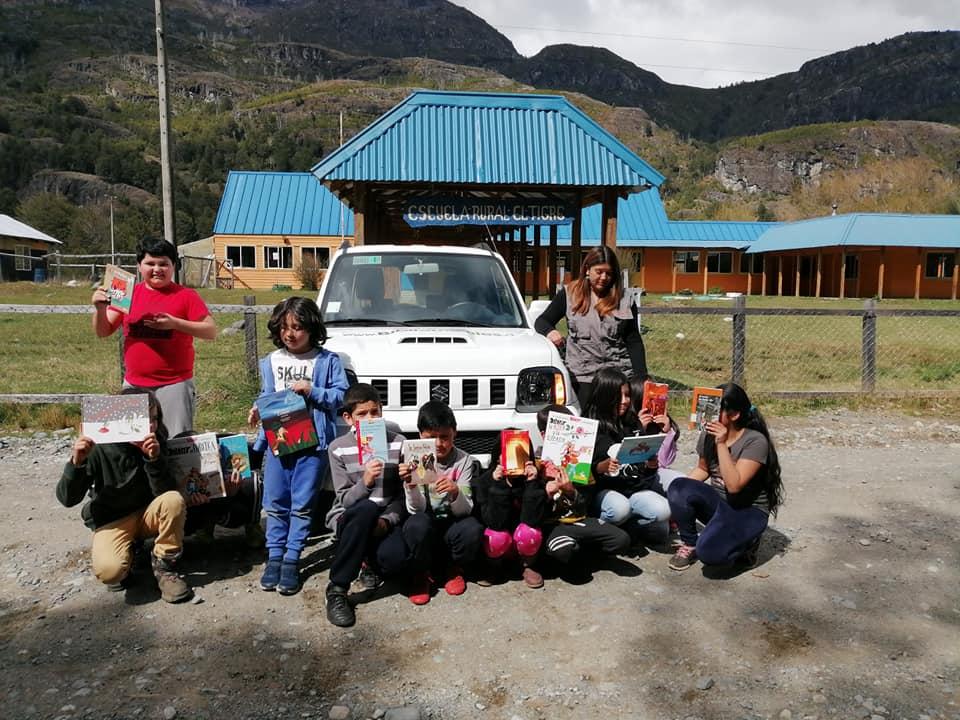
(539, 386)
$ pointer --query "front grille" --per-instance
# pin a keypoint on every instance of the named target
(479, 442)
(440, 391)
(408, 393)
(471, 392)
(498, 391)
(382, 387)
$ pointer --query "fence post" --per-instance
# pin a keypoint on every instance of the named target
(868, 353)
(250, 335)
(739, 341)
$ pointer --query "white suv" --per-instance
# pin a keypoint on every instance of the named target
(442, 323)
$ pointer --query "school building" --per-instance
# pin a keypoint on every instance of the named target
(23, 251)
(539, 179)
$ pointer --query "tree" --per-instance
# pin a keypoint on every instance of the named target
(765, 214)
(49, 213)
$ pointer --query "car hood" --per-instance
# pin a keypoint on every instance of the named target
(392, 351)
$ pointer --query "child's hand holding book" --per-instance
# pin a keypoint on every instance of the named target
(371, 471)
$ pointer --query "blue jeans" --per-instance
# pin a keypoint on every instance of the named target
(644, 507)
(290, 485)
(727, 532)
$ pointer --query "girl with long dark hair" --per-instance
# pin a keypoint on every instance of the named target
(734, 489)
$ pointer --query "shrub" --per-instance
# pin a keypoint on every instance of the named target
(309, 274)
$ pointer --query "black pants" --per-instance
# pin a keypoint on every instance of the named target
(456, 541)
(403, 550)
(567, 539)
(241, 509)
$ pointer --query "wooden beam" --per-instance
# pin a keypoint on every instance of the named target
(552, 264)
(536, 263)
(575, 238)
(843, 272)
(359, 212)
(763, 278)
(643, 267)
(608, 228)
(819, 270)
(750, 277)
(883, 259)
(917, 275)
(796, 284)
(673, 272)
(522, 267)
(703, 264)
(780, 276)
(956, 274)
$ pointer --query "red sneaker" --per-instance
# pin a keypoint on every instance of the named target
(419, 591)
(455, 584)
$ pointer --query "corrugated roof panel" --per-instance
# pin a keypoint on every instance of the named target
(863, 229)
(487, 138)
(274, 203)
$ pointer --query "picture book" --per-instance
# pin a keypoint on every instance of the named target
(286, 421)
(421, 454)
(119, 286)
(115, 418)
(705, 406)
(372, 440)
(655, 396)
(568, 443)
(636, 450)
(235, 455)
(514, 451)
(194, 462)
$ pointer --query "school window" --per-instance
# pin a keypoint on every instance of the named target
(242, 256)
(23, 257)
(563, 262)
(751, 263)
(720, 262)
(852, 271)
(686, 262)
(278, 257)
(529, 261)
(940, 266)
(319, 255)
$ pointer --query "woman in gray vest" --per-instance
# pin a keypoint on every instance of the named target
(601, 322)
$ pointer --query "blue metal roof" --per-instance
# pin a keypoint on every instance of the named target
(487, 138)
(863, 229)
(279, 203)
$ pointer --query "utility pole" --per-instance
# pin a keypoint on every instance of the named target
(113, 254)
(166, 176)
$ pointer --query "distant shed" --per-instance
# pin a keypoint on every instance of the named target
(23, 251)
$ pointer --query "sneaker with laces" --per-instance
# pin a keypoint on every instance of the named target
(532, 579)
(368, 579)
(455, 584)
(419, 590)
(684, 557)
(339, 610)
(271, 575)
(173, 588)
(289, 578)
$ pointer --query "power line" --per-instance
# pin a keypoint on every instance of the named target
(662, 37)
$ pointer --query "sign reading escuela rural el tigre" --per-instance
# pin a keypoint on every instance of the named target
(483, 211)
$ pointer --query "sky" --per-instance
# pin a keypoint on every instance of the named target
(710, 43)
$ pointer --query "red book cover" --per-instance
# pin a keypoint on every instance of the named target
(514, 451)
(655, 397)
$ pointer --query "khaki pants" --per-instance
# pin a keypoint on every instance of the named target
(163, 518)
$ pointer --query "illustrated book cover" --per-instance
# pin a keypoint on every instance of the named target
(287, 423)
(119, 286)
(514, 451)
(421, 454)
(705, 406)
(115, 418)
(568, 443)
(194, 462)
(235, 455)
(636, 450)
(372, 440)
(655, 396)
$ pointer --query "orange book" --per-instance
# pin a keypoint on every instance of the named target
(514, 451)
(705, 406)
(655, 397)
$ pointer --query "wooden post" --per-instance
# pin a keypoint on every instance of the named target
(250, 336)
(819, 270)
(522, 269)
(359, 211)
(868, 352)
(956, 274)
(608, 230)
(673, 283)
(780, 276)
(916, 284)
(575, 236)
(552, 262)
(763, 278)
(703, 264)
(739, 344)
(796, 284)
(883, 258)
(643, 268)
(536, 262)
(750, 280)
(843, 272)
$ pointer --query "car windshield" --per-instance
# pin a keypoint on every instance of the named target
(420, 288)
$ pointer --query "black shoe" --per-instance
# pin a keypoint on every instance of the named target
(271, 575)
(369, 579)
(289, 578)
(339, 610)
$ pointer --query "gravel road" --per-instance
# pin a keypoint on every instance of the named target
(854, 612)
